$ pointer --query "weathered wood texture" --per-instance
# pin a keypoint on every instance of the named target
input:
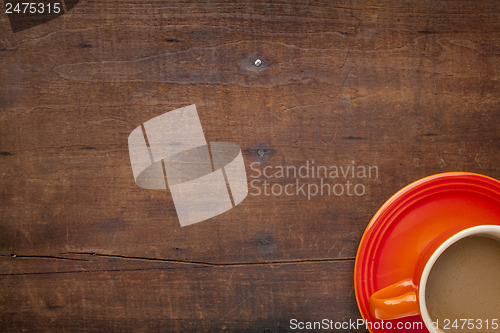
(116, 295)
(408, 86)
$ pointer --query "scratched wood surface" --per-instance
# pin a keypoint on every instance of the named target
(410, 87)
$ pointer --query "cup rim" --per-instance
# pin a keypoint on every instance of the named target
(485, 230)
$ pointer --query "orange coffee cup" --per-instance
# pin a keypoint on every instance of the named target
(407, 297)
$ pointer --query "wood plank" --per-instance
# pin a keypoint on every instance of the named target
(116, 295)
(409, 87)
(429, 101)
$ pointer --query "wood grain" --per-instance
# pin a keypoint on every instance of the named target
(115, 295)
(409, 87)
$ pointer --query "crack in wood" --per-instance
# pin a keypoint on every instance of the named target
(15, 256)
(88, 271)
(213, 264)
(159, 260)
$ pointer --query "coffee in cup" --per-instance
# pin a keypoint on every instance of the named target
(463, 287)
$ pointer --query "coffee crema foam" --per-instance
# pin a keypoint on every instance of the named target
(464, 283)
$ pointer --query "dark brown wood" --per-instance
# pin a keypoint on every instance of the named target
(408, 87)
(107, 294)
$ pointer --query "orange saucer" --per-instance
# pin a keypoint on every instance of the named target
(407, 223)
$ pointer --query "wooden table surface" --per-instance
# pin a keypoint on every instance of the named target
(408, 87)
